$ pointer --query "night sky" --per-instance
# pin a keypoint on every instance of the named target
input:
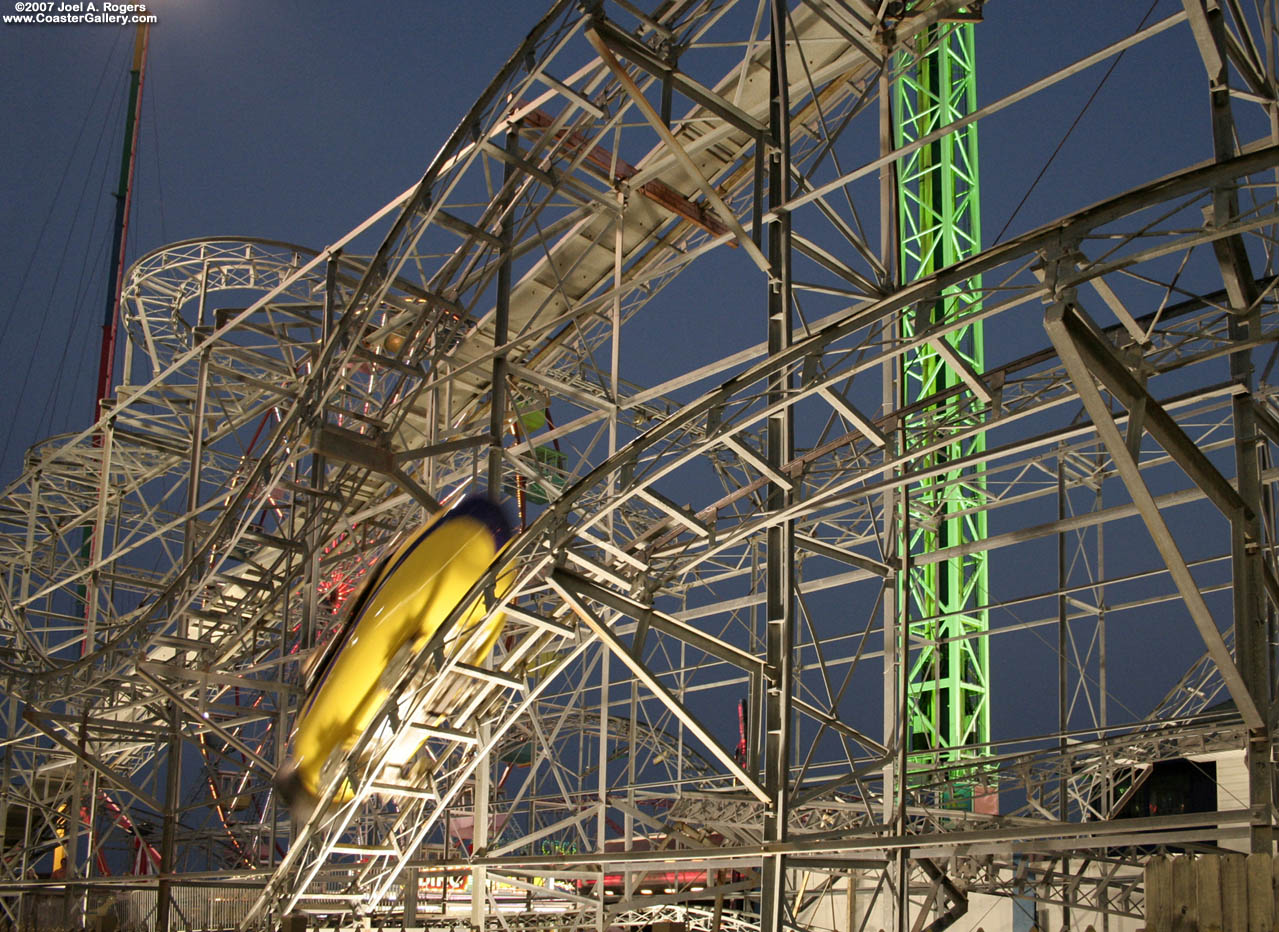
(297, 120)
(288, 120)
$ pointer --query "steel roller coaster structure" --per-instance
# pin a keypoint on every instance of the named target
(704, 707)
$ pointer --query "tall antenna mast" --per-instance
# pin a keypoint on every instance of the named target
(123, 195)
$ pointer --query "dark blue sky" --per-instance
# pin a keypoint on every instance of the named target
(297, 120)
(288, 120)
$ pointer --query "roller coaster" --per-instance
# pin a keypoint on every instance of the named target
(697, 712)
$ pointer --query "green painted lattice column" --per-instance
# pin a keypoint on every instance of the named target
(948, 714)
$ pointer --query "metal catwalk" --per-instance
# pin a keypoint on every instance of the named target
(649, 289)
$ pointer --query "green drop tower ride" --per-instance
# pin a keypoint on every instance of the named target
(947, 655)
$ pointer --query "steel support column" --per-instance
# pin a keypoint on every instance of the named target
(779, 612)
(172, 804)
(1251, 614)
(480, 829)
(893, 735)
(501, 320)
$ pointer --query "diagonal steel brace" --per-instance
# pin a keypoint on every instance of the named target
(95, 763)
(685, 160)
(566, 585)
(1108, 368)
(1080, 353)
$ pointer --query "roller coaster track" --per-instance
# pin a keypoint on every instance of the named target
(287, 414)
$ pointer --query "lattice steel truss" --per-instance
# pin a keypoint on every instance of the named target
(939, 215)
(719, 533)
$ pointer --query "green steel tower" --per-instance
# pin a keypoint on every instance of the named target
(948, 705)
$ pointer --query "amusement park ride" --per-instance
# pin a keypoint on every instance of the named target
(803, 521)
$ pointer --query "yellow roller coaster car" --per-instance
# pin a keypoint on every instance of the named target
(404, 600)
